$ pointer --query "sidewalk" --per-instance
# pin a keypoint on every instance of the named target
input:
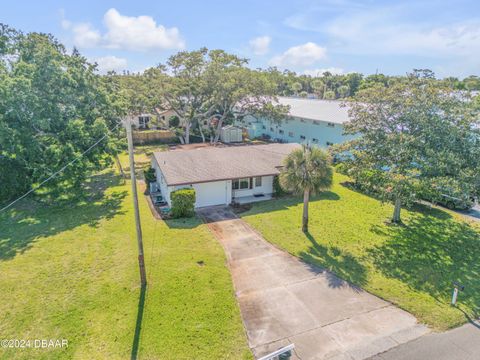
(462, 343)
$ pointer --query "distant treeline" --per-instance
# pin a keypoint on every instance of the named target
(337, 86)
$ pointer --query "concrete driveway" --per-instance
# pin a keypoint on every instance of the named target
(283, 300)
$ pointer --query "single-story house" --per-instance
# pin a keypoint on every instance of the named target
(221, 175)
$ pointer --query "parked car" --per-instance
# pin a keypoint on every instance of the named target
(452, 197)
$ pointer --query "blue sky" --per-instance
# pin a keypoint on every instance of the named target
(300, 35)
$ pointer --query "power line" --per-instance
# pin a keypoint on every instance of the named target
(58, 172)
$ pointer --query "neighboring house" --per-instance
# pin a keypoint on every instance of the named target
(142, 121)
(164, 117)
(221, 175)
(316, 122)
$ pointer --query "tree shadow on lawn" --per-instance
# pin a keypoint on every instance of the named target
(347, 271)
(287, 201)
(30, 220)
(429, 252)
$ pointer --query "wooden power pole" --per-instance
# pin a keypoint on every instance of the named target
(141, 262)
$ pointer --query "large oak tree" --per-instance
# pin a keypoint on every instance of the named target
(413, 130)
(53, 107)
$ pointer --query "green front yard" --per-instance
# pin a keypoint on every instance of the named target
(412, 266)
(70, 271)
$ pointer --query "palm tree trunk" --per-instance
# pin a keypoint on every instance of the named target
(396, 211)
(306, 198)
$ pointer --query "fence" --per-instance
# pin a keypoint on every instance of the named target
(153, 136)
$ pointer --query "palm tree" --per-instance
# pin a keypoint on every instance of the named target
(308, 171)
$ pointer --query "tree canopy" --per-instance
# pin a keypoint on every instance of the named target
(53, 107)
(413, 130)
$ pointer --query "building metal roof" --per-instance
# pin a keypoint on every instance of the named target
(182, 167)
(315, 109)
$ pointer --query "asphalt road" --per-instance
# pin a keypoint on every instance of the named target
(473, 213)
(462, 343)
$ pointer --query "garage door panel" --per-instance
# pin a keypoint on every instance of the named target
(212, 193)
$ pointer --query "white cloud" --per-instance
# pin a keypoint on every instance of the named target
(301, 55)
(110, 63)
(319, 72)
(377, 33)
(85, 36)
(361, 29)
(260, 45)
(138, 33)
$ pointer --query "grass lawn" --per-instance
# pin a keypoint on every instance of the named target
(412, 265)
(70, 271)
(142, 157)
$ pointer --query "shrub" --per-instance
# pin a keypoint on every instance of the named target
(183, 203)
(277, 189)
(173, 121)
(149, 173)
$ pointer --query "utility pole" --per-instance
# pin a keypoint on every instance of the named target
(141, 262)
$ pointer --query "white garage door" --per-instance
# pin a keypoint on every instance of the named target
(212, 193)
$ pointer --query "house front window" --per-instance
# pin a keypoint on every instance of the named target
(329, 143)
(240, 184)
(290, 133)
(316, 122)
(258, 181)
(330, 124)
(302, 137)
(280, 132)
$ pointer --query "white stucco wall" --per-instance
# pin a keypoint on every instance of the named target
(266, 188)
(161, 182)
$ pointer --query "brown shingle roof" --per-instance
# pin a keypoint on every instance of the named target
(215, 164)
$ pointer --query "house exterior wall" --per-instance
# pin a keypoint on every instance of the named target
(266, 188)
(315, 132)
(161, 182)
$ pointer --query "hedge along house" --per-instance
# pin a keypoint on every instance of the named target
(312, 121)
(221, 175)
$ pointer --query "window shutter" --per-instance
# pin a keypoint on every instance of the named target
(251, 183)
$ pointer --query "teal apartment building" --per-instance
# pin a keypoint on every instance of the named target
(312, 121)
